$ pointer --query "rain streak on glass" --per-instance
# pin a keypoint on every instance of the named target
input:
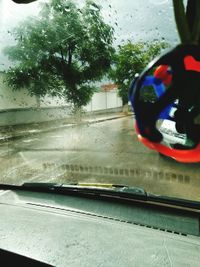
(65, 71)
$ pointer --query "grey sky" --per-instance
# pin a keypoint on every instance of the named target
(144, 20)
(137, 20)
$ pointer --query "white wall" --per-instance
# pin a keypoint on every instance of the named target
(48, 101)
(113, 100)
(20, 99)
(14, 100)
(19, 108)
(104, 100)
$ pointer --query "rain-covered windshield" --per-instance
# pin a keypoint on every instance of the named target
(65, 71)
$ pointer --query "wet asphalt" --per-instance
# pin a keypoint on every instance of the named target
(104, 152)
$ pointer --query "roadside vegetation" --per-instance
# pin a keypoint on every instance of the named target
(66, 49)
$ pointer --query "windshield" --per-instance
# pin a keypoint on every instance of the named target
(65, 71)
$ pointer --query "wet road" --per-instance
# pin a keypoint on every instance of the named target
(105, 152)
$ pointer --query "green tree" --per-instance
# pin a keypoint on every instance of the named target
(61, 52)
(130, 59)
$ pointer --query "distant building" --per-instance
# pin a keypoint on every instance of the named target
(109, 87)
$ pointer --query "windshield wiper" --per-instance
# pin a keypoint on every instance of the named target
(113, 191)
(120, 191)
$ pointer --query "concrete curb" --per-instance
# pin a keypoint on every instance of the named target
(34, 132)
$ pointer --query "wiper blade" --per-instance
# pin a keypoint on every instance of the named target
(104, 190)
(174, 201)
(112, 190)
(29, 186)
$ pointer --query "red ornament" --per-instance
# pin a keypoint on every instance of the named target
(191, 64)
(162, 73)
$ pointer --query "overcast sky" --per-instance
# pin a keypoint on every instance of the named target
(137, 20)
